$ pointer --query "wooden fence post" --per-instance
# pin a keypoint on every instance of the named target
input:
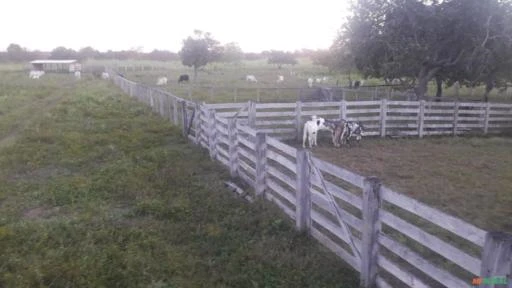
(455, 118)
(371, 228)
(343, 109)
(497, 257)
(383, 114)
(211, 93)
(303, 203)
(169, 106)
(175, 112)
(261, 163)
(421, 118)
(184, 119)
(252, 114)
(298, 119)
(161, 104)
(197, 130)
(235, 94)
(258, 94)
(486, 119)
(212, 134)
(299, 94)
(233, 147)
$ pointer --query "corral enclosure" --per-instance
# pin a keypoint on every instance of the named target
(279, 172)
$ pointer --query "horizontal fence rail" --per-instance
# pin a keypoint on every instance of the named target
(371, 227)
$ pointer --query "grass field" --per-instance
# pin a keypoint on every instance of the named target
(96, 191)
(467, 177)
(225, 77)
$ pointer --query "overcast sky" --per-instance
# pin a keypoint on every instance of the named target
(157, 24)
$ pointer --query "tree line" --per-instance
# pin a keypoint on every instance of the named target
(468, 42)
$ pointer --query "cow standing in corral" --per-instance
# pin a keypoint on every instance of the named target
(310, 82)
(78, 75)
(280, 78)
(105, 76)
(184, 78)
(311, 129)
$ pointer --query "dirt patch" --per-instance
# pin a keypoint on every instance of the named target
(41, 213)
(467, 177)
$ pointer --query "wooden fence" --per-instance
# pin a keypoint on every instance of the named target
(380, 118)
(391, 239)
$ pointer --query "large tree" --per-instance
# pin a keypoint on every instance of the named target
(199, 50)
(63, 53)
(232, 53)
(420, 39)
(281, 58)
(16, 53)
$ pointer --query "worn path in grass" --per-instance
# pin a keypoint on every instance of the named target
(467, 177)
(98, 192)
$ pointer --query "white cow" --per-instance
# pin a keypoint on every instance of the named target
(105, 75)
(161, 81)
(280, 78)
(35, 74)
(325, 79)
(310, 82)
(311, 129)
(318, 80)
(78, 75)
(251, 78)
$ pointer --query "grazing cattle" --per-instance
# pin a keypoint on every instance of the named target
(161, 81)
(184, 78)
(311, 129)
(338, 130)
(105, 75)
(318, 80)
(310, 82)
(78, 75)
(280, 78)
(355, 129)
(325, 79)
(357, 83)
(395, 81)
(251, 78)
(35, 74)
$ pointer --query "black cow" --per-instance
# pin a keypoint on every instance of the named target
(183, 78)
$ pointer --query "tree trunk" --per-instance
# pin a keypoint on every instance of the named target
(195, 73)
(426, 74)
(489, 85)
(439, 92)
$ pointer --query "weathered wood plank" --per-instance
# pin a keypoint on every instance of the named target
(404, 276)
(402, 118)
(285, 162)
(244, 141)
(340, 193)
(322, 201)
(245, 153)
(429, 125)
(362, 111)
(261, 162)
(274, 105)
(363, 103)
(381, 283)
(283, 192)
(250, 171)
(274, 122)
(457, 256)
(277, 130)
(332, 227)
(339, 172)
(303, 203)
(232, 114)
(281, 176)
(320, 112)
(246, 177)
(281, 205)
(504, 119)
(275, 114)
(289, 150)
(370, 230)
(403, 103)
(419, 262)
(225, 105)
(221, 130)
(336, 249)
(222, 159)
(321, 104)
(245, 129)
(497, 257)
(222, 151)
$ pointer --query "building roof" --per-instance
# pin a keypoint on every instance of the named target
(51, 61)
